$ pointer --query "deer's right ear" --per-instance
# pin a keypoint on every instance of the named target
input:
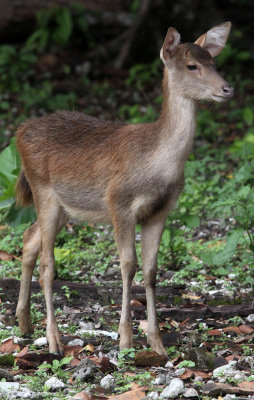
(171, 41)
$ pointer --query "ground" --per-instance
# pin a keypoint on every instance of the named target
(206, 258)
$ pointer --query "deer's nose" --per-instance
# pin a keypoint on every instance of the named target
(228, 91)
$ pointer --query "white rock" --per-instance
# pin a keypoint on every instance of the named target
(23, 393)
(42, 341)
(76, 342)
(107, 381)
(173, 390)
(153, 395)
(169, 364)
(86, 325)
(6, 387)
(113, 335)
(225, 371)
(190, 393)
(54, 384)
(250, 318)
(180, 371)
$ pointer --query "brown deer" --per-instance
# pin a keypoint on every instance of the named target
(80, 167)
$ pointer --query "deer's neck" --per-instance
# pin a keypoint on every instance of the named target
(177, 123)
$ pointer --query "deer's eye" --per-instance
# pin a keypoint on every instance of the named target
(191, 67)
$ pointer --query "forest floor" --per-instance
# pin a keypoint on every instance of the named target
(206, 259)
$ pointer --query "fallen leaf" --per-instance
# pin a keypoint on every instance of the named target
(72, 350)
(214, 332)
(246, 329)
(246, 385)
(82, 396)
(8, 346)
(187, 374)
(74, 362)
(4, 256)
(143, 324)
(137, 393)
(136, 303)
(34, 359)
(23, 352)
(184, 322)
(190, 296)
(232, 357)
(234, 329)
(203, 374)
(89, 347)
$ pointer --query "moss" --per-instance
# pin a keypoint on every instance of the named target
(7, 360)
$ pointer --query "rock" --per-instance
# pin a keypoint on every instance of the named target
(190, 393)
(54, 384)
(153, 395)
(180, 371)
(174, 389)
(86, 325)
(6, 387)
(162, 379)
(107, 381)
(250, 318)
(246, 362)
(201, 358)
(42, 341)
(85, 370)
(76, 342)
(113, 335)
(226, 371)
(23, 393)
(169, 364)
(150, 359)
(6, 375)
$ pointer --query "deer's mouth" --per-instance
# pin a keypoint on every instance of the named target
(220, 98)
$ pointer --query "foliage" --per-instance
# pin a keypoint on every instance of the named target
(55, 368)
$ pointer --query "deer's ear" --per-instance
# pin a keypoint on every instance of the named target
(215, 39)
(171, 41)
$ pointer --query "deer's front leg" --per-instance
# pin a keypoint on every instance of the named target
(125, 239)
(151, 232)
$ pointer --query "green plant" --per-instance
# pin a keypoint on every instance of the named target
(186, 364)
(68, 292)
(55, 368)
(125, 358)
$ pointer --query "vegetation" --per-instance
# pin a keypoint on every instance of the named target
(208, 238)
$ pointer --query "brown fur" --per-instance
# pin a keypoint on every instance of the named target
(78, 166)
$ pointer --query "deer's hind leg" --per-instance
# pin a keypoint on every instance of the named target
(31, 248)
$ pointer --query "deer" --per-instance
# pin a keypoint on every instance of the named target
(75, 166)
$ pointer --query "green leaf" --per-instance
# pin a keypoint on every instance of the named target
(191, 221)
(243, 192)
(9, 165)
(63, 31)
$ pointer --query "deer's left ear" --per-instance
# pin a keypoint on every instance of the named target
(215, 39)
(171, 41)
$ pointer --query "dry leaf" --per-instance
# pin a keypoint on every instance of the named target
(190, 296)
(246, 329)
(8, 346)
(4, 256)
(89, 347)
(136, 303)
(82, 396)
(246, 385)
(136, 393)
(143, 324)
(214, 332)
(23, 352)
(232, 329)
